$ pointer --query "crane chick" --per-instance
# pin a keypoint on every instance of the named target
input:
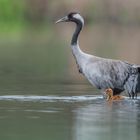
(111, 97)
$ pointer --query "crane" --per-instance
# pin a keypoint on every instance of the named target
(103, 73)
(111, 97)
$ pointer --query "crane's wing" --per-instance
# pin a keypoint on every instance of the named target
(108, 73)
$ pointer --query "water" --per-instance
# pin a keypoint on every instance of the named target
(65, 112)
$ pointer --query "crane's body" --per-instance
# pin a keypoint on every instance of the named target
(103, 73)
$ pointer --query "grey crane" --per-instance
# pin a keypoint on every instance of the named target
(101, 72)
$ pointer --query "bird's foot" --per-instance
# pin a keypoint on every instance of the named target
(132, 96)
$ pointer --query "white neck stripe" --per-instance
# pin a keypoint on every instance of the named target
(77, 16)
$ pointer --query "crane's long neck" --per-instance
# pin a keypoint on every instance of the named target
(75, 36)
(77, 52)
(79, 55)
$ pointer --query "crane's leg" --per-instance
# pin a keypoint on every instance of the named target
(133, 95)
(136, 95)
(129, 95)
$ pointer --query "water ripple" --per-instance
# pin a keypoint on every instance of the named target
(34, 98)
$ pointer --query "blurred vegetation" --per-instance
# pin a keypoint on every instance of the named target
(11, 15)
(31, 46)
(15, 13)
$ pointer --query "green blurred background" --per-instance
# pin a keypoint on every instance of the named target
(33, 47)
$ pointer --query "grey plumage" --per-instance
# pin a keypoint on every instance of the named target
(114, 74)
(103, 73)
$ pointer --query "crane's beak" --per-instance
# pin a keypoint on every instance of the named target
(64, 19)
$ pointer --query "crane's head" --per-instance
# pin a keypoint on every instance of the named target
(72, 17)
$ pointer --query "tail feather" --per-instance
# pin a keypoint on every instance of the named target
(138, 86)
(137, 67)
(132, 85)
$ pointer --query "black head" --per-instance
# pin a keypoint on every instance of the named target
(72, 17)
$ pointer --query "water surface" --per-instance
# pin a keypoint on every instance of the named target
(65, 111)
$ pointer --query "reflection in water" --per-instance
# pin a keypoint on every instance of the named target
(100, 120)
